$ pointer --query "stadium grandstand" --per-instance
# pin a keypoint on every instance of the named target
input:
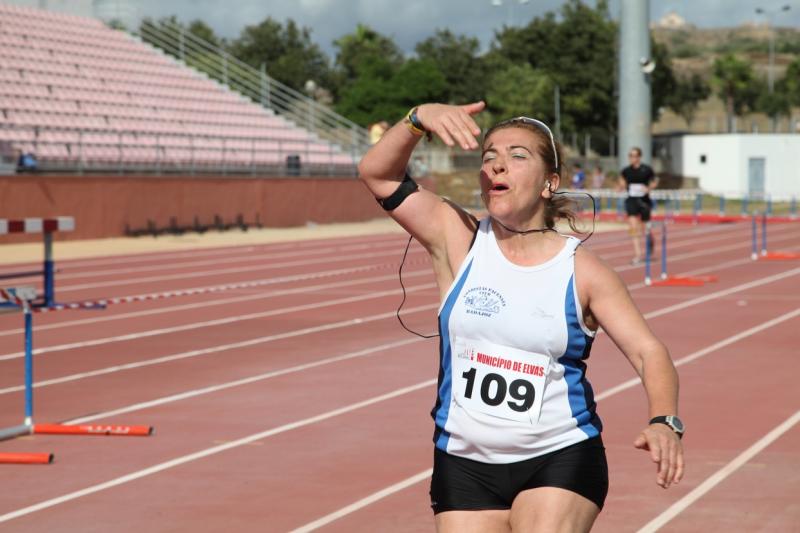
(84, 97)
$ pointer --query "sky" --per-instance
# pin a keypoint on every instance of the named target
(406, 21)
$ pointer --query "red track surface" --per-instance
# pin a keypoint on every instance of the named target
(277, 405)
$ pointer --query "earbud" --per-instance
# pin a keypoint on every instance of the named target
(547, 185)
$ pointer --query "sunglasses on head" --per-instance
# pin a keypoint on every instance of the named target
(534, 122)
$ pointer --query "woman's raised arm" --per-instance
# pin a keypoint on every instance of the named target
(423, 214)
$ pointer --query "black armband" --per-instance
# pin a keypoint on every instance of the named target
(407, 187)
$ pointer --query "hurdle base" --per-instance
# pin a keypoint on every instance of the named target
(93, 429)
(15, 431)
(26, 458)
(678, 281)
(778, 256)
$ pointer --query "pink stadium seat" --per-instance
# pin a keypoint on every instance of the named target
(83, 91)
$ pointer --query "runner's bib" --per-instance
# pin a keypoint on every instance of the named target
(499, 380)
(637, 190)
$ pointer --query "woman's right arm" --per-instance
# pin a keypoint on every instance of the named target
(426, 216)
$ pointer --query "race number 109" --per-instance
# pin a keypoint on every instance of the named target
(494, 390)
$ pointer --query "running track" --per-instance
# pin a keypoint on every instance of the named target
(300, 403)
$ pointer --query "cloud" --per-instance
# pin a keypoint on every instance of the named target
(407, 21)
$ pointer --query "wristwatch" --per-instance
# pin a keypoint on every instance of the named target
(673, 422)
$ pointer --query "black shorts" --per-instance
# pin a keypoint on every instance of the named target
(639, 206)
(460, 484)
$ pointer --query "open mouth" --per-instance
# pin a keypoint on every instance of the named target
(499, 187)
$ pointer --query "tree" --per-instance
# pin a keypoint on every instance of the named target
(366, 65)
(117, 24)
(200, 29)
(457, 59)
(791, 82)
(364, 49)
(374, 97)
(288, 53)
(687, 95)
(774, 104)
(521, 90)
(576, 53)
(736, 85)
(662, 81)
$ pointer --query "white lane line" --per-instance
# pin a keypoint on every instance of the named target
(207, 273)
(160, 310)
(610, 392)
(246, 381)
(372, 498)
(262, 257)
(249, 297)
(723, 292)
(194, 353)
(388, 491)
(341, 257)
(208, 303)
(719, 476)
(246, 440)
(706, 251)
(213, 349)
(240, 251)
(236, 318)
(707, 350)
(213, 451)
(703, 270)
(678, 239)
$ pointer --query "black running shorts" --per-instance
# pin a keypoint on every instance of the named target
(460, 484)
(639, 206)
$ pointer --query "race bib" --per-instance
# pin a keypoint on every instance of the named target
(499, 380)
(637, 190)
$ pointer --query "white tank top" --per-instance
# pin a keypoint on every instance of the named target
(512, 381)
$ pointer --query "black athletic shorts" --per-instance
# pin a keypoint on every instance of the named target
(639, 206)
(460, 484)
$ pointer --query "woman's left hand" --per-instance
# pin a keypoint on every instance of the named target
(665, 450)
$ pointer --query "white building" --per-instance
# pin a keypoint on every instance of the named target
(738, 165)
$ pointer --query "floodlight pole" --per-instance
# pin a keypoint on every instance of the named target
(510, 12)
(768, 15)
(634, 80)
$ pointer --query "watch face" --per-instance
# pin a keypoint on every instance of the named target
(676, 423)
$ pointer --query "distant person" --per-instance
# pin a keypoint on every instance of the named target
(26, 162)
(578, 177)
(598, 177)
(637, 179)
(377, 130)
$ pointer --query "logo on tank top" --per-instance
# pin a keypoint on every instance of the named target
(483, 301)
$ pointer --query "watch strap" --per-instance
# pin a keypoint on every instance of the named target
(667, 421)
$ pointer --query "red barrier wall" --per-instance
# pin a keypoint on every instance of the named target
(103, 205)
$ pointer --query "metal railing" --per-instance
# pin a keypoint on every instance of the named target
(255, 84)
(172, 153)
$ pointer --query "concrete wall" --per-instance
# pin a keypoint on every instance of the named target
(726, 167)
(103, 206)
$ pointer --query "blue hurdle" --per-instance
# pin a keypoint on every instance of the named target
(23, 297)
(46, 227)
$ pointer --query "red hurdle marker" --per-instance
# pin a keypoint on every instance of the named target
(667, 280)
(765, 255)
(92, 429)
(26, 458)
